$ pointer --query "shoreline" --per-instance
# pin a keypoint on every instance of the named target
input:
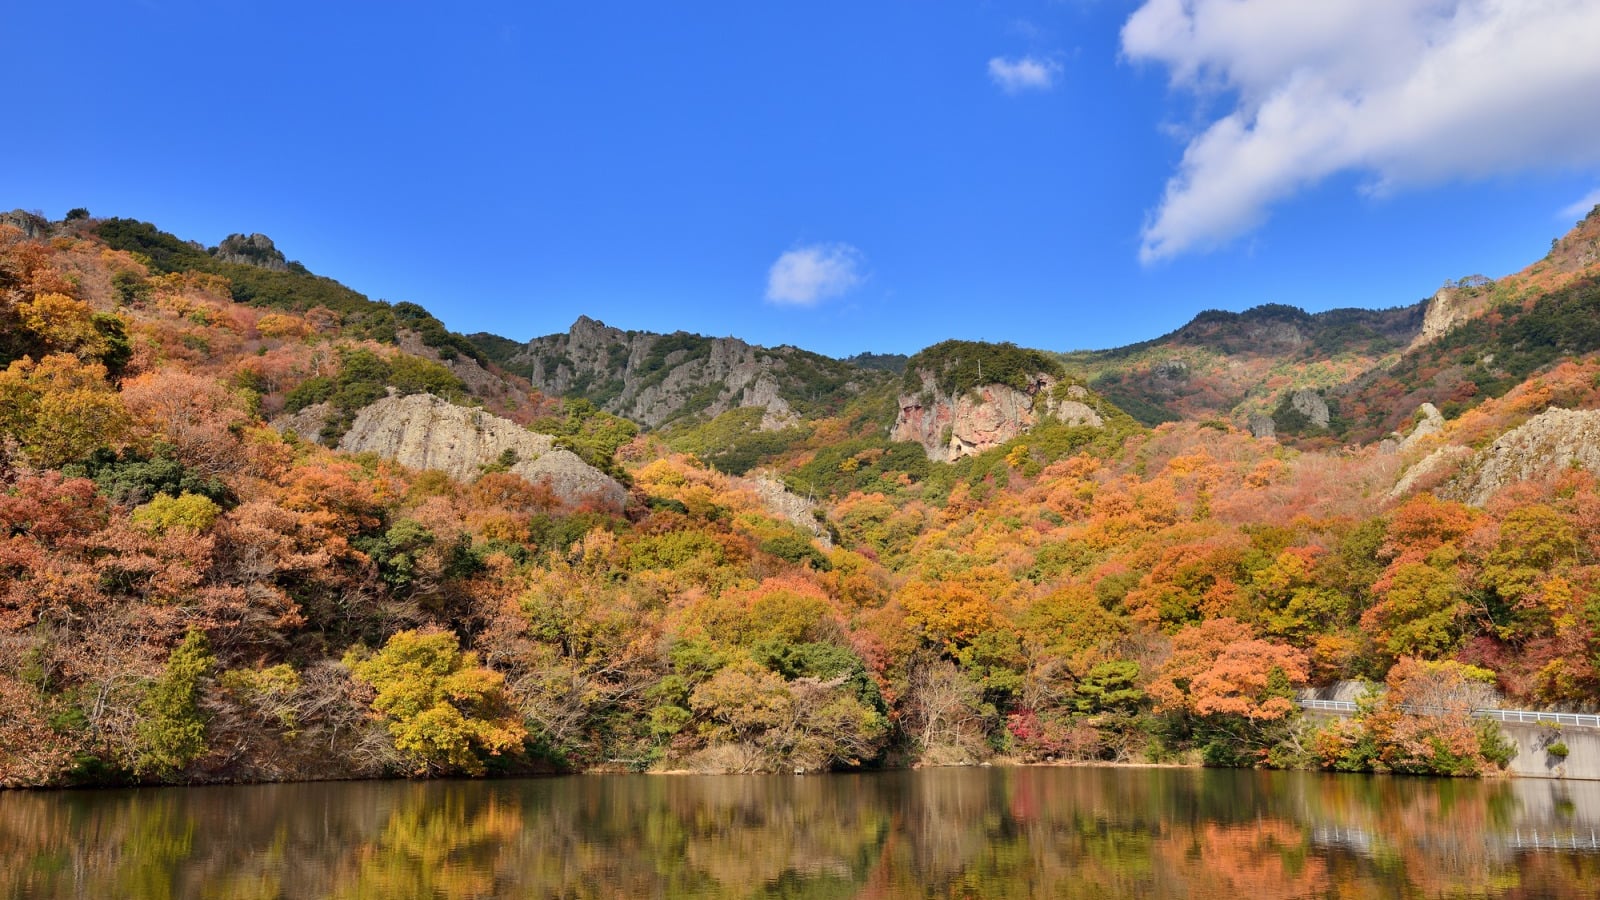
(998, 763)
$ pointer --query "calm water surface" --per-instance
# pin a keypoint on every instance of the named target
(1030, 832)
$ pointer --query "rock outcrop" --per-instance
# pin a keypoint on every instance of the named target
(786, 505)
(424, 432)
(987, 416)
(1540, 448)
(656, 378)
(1310, 404)
(1262, 426)
(1431, 469)
(32, 225)
(253, 250)
(1429, 423)
(307, 423)
(1578, 251)
(1452, 305)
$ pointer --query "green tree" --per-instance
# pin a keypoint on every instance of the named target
(172, 730)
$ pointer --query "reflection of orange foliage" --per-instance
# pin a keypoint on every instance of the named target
(1265, 858)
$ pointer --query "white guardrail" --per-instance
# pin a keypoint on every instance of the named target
(1524, 716)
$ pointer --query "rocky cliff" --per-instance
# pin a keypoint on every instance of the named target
(32, 225)
(654, 379)
(1540, 448)
(791, 507)
(252, 250)
(424, 432)
(969, 422)
(1452, 305)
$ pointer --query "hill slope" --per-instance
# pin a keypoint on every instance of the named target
(656, 379)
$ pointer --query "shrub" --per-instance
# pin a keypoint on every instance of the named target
(165, 512)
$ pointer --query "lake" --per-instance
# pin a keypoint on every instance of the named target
(1000, 832)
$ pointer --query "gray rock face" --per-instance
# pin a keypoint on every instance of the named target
(424, 432)
(655, 378)
(32, 225)
(1429, 422)
(307, 423)
(1433, 467)
(1540, 448)
(1449, 307)
(1311, 405)
(254, 250)
(1262, 426)
(1171, 369)
(793, 508)
(949, 428)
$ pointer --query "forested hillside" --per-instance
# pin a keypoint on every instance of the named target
(195, 587)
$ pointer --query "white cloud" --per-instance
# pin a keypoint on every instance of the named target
(1024, 74)
(810, 274)
(1582, 208)
(1406, 91)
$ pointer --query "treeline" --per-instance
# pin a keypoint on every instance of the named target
(294, 290)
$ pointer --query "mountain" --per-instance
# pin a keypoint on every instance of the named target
(659, 379)
(1357, 374)
(1237, 366)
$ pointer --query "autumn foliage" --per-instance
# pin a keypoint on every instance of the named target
(186, 594)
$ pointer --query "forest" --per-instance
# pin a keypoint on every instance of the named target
(188, 594)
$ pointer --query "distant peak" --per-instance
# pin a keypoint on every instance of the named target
(252, 250)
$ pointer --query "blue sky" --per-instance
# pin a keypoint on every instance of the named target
(843, 176)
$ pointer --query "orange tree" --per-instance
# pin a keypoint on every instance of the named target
(1229, 694)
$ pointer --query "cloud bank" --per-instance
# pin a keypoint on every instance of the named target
(1581, 208)
(1024, 74)
(1406, 91)
(812, 273)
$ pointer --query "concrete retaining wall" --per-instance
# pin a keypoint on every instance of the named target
(1533, 759)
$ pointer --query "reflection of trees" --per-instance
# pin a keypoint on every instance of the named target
(954, 832)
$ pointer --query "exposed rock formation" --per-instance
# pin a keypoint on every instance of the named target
(31, 224)
(255, 250)
(987, 416)
(1451, 306)
(1310, 404)
(1262, 426)
(307, 423)
(1170, 370)
(424, 432)
(654, 378)
(1578, 251)
(793, 508)
(1431, 468)
(1540, 448)
(1429, 422)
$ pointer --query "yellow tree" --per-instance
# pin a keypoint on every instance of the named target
(442, 708)
(60, 409)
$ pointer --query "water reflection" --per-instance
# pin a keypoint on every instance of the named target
(960, 832)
